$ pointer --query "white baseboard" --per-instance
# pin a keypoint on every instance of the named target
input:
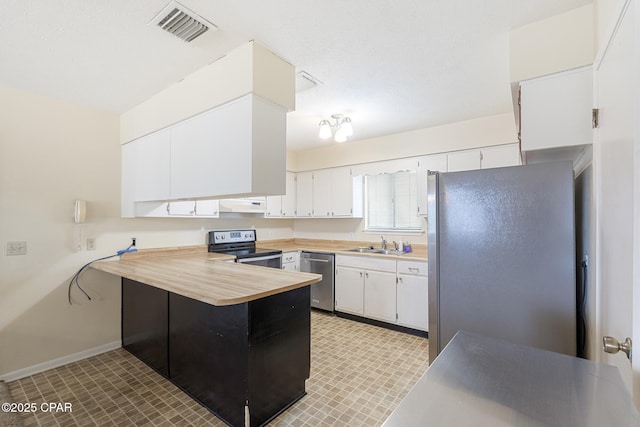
(45, 366)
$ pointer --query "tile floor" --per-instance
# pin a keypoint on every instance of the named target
(359, 373)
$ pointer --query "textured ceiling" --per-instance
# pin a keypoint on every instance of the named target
(392, 66)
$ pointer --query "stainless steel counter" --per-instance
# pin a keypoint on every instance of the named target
(481, 381)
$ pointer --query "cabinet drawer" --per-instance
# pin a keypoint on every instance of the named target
(415, 268)
(367, 262)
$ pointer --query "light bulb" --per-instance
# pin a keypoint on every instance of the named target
(340, 135)
(346, 127)
(325, 130)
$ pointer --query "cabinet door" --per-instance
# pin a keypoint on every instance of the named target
(322, 193)
(182, 208)
(146, 167)
(288, 201)
(341, 192)
(274, 206)
(304, 194)
(556, 110)
(380, 295)
(500, 156)
(208, 149)
(349, 289)
(208, 208)
(463, 161)
(413, 304)
(437, 163)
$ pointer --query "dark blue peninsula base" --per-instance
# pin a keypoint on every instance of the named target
(245, 362)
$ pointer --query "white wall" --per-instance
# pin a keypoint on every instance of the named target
(559, 43)
(52, 153)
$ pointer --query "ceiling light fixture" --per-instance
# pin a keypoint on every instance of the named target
(342, 126)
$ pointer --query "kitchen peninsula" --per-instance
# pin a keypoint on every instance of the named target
(235, 337)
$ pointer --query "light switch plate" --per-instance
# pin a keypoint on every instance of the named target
(91, 243)
(16, 248)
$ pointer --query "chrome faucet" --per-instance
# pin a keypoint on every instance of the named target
(383, 244)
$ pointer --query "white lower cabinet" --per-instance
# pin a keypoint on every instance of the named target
(349, 290)
(382, 289)
(413, 295)
(380, 295)
(366, 286)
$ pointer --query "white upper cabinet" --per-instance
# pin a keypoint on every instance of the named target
(435, 163)
(207, 153)
(500, 156)
(182, 208)
(344, 193)
(226, 151)
(484, 158)
(232, 150)
(556, 112)
(224, 125)
(328, 193)
(283, 206)
(304, 194)
(336, 193)
(322, 196)
(207, 208)
(145, 166)
(289, 199)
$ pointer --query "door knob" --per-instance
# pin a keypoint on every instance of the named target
(611, 345)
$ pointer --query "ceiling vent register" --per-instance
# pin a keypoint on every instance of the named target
(181, 22)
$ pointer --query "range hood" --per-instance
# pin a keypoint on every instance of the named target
(256, 205)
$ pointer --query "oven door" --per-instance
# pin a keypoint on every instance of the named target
(273, 261)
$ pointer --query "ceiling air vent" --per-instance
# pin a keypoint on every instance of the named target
(305, 81)
(182, 22)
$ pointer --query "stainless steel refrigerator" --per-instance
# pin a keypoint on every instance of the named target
(501, 248)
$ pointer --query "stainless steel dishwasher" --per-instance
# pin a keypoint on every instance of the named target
(321, 292)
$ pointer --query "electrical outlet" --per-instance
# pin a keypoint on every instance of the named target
(16, 248)
(91, 243)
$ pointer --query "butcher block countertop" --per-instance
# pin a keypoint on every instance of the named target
(419, 252)
(195, 273)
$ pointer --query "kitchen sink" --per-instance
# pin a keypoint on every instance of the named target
(375, 251)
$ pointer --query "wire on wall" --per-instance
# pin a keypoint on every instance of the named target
(74, 278)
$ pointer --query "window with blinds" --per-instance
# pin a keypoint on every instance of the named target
(392, 202)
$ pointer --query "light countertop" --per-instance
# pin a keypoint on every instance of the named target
(341, 247)
(195, 273)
